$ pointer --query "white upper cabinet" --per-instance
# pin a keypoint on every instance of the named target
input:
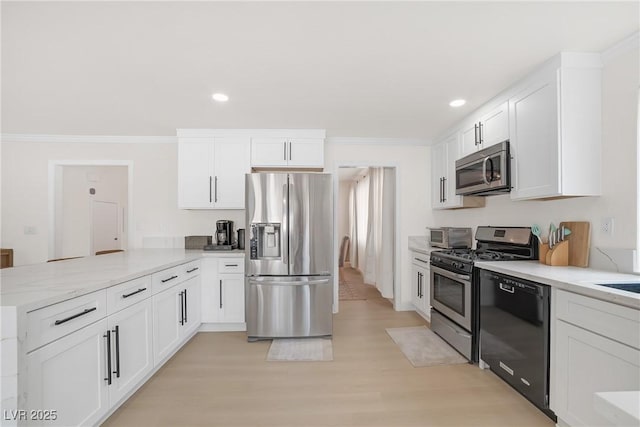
(485, 130)
(211, 172)
(555, 130)
(287, 152)
(443, 176)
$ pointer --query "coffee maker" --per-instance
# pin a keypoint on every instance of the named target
(224, 232)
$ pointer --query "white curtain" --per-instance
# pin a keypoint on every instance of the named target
(358, 221)
(379, 245)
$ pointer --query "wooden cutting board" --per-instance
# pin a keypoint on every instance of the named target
(579, 242)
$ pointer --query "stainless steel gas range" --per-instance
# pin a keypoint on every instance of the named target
(455, 296)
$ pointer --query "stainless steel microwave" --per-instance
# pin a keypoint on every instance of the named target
(450, 237)
(484, 172)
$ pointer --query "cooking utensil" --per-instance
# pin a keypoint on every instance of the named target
(552, 230)
(535, 229)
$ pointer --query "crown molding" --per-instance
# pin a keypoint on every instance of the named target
(248, 133)
(376, 141)
(623, 46)
(87, 139)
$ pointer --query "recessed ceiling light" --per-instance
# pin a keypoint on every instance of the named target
(220, 97)
(457, 102)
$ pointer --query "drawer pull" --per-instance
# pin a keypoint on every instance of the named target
(231, 265)
(86, 311)
(170, 278)
(134, 292)
(192, 270)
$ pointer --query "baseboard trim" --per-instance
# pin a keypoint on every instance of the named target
(223, 327)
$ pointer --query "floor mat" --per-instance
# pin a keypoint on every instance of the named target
(423, 347)
(300, 350)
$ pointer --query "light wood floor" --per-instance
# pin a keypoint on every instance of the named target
(219, 379)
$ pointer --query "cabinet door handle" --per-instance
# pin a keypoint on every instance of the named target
(475, 134)
(192, 270)
(116, 331)
(134, 293)
(216, 189)
(181, 308)
(220, 293)
(231, 265)
(284, 153)
(444, 192)
(186, 319)
(289, 150)
(481, 138)
(86, 311)
(108, 337)
(170, 278)
(210, 185)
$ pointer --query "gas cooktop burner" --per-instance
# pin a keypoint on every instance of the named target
(475, 255)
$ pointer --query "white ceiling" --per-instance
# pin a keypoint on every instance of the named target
(368, 69)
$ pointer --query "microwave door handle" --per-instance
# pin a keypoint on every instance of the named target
(484, 170)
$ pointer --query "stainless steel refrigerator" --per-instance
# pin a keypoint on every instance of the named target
(289, 255)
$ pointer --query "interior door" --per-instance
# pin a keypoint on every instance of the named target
(105, 232)
(310, 224)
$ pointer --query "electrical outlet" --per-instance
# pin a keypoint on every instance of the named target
(606, 226)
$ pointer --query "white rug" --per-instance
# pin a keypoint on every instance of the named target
(423, 347)
(300, 350)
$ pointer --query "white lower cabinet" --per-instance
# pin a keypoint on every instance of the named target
(176, 314)
(223, 294)
(232, 298)
(85, 373)
(132, 349)
(68, 376)
(595, 349)
(166, 322)
(420, 284)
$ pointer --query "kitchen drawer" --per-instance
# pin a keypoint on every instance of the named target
(191, 269)
(50, 323)
(231, 265)
(604, 318)
(167, 278)
(128, 293)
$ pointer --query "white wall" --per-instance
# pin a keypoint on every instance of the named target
(618, 200)
(155, 212)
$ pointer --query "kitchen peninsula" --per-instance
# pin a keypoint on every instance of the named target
(58, 318)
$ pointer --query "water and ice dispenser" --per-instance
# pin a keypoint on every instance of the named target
(265, 241)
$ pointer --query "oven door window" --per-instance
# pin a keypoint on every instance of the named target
(450, 293)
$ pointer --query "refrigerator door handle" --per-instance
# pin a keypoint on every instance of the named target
(284, 235)
(288, 283)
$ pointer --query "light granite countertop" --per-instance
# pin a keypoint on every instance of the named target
(573, 279)
(30, 287)
(420, 244)
(622, 408)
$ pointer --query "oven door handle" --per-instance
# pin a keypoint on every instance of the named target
(449, 274)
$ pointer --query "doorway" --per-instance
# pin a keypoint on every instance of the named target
(366, 232)
(89, 207)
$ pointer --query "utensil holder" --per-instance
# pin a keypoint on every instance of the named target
(558, 255)
(543, 249)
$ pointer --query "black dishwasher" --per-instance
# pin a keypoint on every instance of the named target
(514, 334)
